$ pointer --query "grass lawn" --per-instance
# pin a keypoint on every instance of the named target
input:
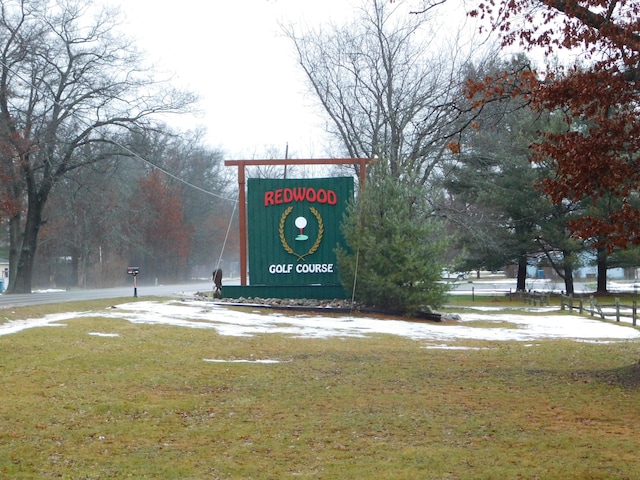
(147, 404)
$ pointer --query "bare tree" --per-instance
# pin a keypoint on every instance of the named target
(387, 83)
(81, 220)
(69, 81)
(208, 198)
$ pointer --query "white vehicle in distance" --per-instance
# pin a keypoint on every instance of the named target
(454, 276)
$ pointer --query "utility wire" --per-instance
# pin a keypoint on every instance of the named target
(226, 237)
(175, 177)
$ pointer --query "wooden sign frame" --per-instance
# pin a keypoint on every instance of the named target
(242, 198)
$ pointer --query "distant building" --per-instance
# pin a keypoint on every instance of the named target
(4, 274)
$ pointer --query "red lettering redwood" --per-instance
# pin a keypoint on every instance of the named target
(299, 194)
(242, 196)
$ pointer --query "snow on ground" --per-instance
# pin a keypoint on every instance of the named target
(474, 325)
(502, 286)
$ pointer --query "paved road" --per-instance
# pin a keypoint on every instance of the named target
(485, 286)
(56, 296)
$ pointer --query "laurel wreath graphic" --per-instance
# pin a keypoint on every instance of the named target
(286, 245)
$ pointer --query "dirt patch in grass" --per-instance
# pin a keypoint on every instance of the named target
(627, 376)
(487, 324)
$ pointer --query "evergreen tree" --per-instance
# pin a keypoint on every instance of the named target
(396, 249)
(493, 189)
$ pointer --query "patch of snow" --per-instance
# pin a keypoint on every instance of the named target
(14, 326)
(98, 334)
(232, 322)
(623, 287)
(507, 309)
(556, 326)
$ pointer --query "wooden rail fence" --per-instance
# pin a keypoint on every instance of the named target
(615, 310)
(534, 298)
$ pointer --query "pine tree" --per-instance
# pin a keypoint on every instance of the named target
(396, 250)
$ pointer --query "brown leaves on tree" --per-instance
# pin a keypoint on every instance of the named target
(164, 230)
(596, 156)
(13, 149)
(454, 147)
(9, 205)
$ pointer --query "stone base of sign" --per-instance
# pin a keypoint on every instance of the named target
(319, 292)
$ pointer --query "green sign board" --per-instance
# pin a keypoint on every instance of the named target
(294, 228)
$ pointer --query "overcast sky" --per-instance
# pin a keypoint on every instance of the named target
(232, 54)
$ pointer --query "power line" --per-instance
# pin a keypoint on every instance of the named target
(171, 175)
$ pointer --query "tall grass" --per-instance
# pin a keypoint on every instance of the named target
(146, 404)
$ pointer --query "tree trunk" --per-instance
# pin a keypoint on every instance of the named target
(83, 265)
(15, 245)
(602, 270)
(522, 272)
(74, 274)
(568, 275)
(24, 269)
(564, 269)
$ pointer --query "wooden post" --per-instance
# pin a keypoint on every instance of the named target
(571, 302)
(242, 199)
(617, 309)
(634, 312)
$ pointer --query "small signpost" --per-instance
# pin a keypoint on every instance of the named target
(134, 271)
